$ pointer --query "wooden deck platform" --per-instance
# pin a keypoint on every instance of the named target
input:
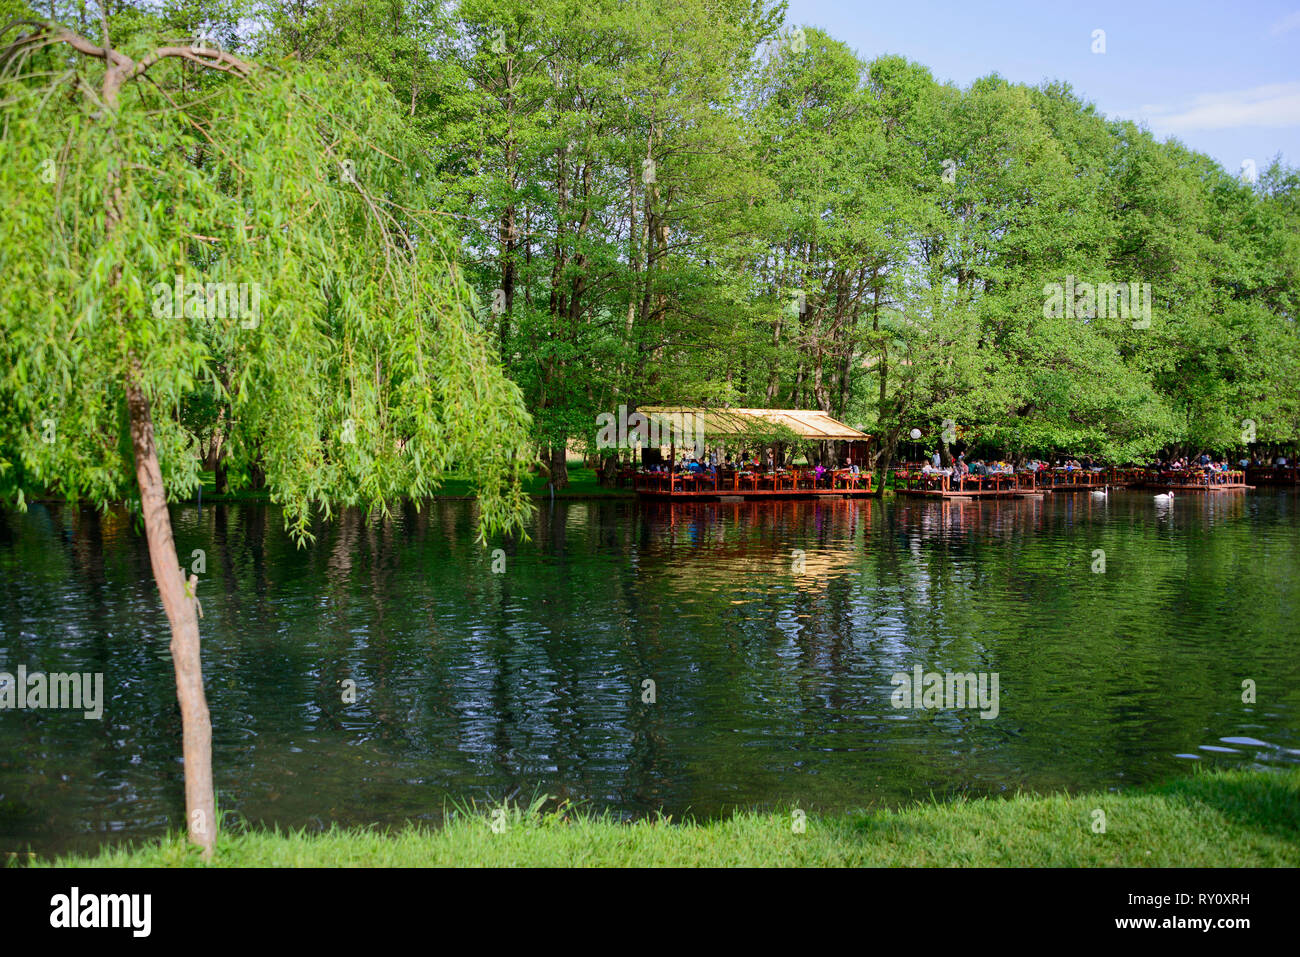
(970, 493)
(1198, 487)
(911, 481)
(802, 483)
(725, 494)
(1273, 475)
(914, 482)
(1197, 480)
(729, 484)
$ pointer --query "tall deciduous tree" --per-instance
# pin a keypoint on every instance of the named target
(178, 218)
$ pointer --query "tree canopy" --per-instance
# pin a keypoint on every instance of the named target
(703, 204)
(278, 259)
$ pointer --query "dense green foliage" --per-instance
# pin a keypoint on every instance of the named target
(687, 203)
(275, 274)
(1227, 819)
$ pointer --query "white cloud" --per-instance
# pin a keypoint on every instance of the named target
(1273, 105)
(1286, 24)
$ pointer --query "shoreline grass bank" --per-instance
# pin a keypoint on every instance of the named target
(1213, 819)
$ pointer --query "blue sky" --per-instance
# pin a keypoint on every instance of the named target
(1222, 77)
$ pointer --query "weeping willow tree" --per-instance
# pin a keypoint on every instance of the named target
(181, 221)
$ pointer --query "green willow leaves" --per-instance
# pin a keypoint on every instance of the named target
(323, 315)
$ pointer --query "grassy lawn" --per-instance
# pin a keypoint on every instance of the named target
(1220, 819)
(582, 484)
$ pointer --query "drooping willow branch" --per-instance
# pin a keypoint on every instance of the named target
(121, 68)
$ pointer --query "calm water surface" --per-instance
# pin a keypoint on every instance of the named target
(771, 687)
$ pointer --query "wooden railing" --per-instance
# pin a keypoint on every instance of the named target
(1272, 474)
(1196, 476)
(1025, 480)
(745, 480)
(1128, 475)
(943, 481)
(911, 478)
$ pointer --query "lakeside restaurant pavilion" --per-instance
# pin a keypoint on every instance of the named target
(841, 472)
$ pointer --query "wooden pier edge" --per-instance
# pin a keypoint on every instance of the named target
(1130, 479)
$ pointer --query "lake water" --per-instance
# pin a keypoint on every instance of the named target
(772, 669)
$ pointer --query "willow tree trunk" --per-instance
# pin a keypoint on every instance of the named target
(180, 603)
(884, 459)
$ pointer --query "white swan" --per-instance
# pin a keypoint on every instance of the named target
(1165, 497)
(1101, 492)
